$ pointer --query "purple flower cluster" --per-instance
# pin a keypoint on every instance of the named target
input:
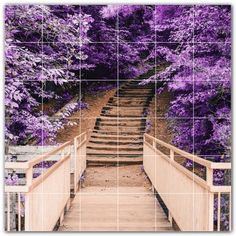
(12, 179)
(224, 216)
(44, 164)
(148, 125)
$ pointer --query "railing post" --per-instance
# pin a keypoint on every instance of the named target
(230, 211)
(153, 144)
(170, 218)
(209, 180)
(218, 211)
(210, 211)
(172, 154)
(209, 176)
(8, 212)
(75, 164)
(29, 179)
(19, 211)
(29, 176)
(27, 212)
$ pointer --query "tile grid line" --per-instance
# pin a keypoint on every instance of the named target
(125, 193)
(123, 42)
(80, 127)
(110, 80)
(43, 114)
(193, 114)
(155, 111)
(117, 115)
(157, 117)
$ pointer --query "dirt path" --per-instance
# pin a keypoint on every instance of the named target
(112, 176)
(86, 118)
(157, 115)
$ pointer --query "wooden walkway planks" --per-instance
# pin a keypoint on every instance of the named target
(115, 209)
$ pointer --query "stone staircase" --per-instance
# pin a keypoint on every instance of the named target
(118, 133)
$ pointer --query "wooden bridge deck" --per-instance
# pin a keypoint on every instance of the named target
(115, 209)
(115, 199)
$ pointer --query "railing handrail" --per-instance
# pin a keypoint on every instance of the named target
(209, 165)
(30, 163)
(47, 173)
(62, 167)
(170, 178)
(37, 159)
(195, 158)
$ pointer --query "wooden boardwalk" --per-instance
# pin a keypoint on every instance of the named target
(115, 199)
(115, 209)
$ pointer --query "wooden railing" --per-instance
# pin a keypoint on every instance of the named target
(193, 201)
(42, 201)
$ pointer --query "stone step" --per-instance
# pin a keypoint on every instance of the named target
(128, 104)
(131, 123)
(140, 95)
(119, 132)
(119, 115)
(113, 152)
(131, 97)
(104, 160)
(134, 100)
(121, 119)
(118, 108)
(121, 100)
(134, 92)
(115, 148)
(138, 88)
(122, 109)
(119, 128)
(116, 142)
(118, 125)
(113, 156)
(124, 114)
(116, 137)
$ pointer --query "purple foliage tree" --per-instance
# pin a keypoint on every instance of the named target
(198, 75)
(43, 46)
(100, 41)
